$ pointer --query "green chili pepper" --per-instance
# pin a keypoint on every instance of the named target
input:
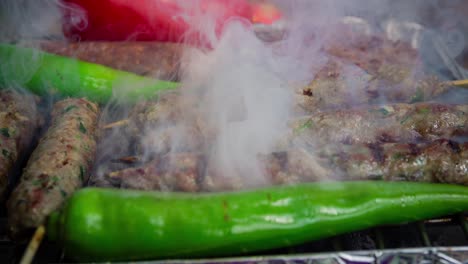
(113, 224)
(44, 73)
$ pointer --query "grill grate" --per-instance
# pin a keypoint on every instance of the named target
(443, 240)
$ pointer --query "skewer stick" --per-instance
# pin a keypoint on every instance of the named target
(33, 245)
(459, 83)
(128, 159)
(119, 123)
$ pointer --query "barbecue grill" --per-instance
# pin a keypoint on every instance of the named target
(441, 240)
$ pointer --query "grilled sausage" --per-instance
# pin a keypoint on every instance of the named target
(57, 167)
(19, 122)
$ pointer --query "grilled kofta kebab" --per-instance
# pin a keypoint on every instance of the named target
(404, 123)
(19, 123)
(57, 167)
(340, 85)
(442, 160)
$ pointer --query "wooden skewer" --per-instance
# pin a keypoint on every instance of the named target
(127, 160)
(459, 83)
(33, 245)
(119, 123)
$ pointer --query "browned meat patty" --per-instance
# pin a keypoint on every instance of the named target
(57, 167)
(19, 122)
(155, 59)
(388, 123)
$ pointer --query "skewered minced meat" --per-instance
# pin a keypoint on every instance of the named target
(386, 123)
(19, 122)
(57, 167)
(340, 85)
(439, 161)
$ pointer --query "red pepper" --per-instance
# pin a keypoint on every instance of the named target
(156, 20)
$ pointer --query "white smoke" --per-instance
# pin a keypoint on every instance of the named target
(24, 20)
(244, 99)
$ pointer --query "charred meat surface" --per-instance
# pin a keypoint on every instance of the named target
(57, 167)
(19, 122)
(155, 59)
(380, 124)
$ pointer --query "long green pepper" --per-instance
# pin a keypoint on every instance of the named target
(112, 224)
(44, 73)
